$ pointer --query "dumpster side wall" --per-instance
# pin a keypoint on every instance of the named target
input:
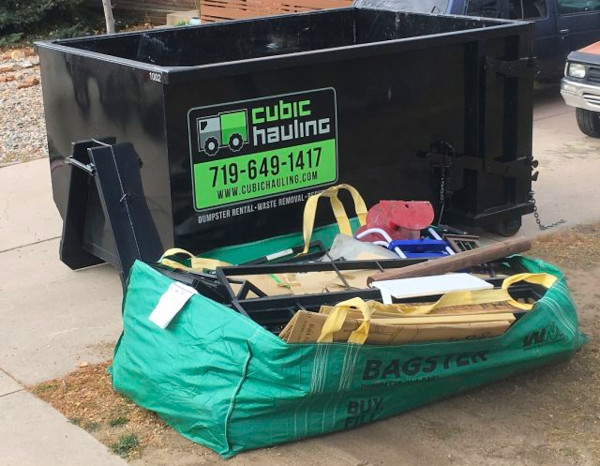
(390, 108)
(401, 106)
(85, 98)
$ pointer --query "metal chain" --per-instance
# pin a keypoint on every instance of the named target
(442, 199)
(539, 222)
(445, 172)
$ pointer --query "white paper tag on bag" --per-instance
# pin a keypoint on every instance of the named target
(170, 303)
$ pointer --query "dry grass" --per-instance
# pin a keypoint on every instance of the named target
(576, 247)
(87, 399)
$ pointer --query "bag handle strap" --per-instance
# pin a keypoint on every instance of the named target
(337, 316)
(458, 298)
(197, 264)
(335, 320)
(544, 279)
(310, 210)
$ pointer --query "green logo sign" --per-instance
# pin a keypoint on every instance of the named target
(226, 129)
(249, 150)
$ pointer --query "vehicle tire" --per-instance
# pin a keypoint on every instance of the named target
(236, 142)
(508, 227)
(211, 146)
(588, 122)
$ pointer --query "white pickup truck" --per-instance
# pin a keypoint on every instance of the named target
(581, 87)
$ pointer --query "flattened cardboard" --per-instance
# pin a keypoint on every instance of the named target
(305, 327)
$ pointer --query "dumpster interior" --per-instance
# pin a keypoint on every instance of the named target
(245, 40)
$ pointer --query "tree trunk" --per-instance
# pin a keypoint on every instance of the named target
(108, 14)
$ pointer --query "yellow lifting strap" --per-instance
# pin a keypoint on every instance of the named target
(310, 210)
(197, 264)
(337, 316)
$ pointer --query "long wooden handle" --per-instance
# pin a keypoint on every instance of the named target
(460, 260)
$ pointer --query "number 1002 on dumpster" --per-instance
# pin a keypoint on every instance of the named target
(259, 148)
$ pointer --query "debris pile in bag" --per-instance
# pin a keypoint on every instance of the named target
(384, 284)
(288, 344)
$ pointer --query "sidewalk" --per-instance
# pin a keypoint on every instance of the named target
(52, 319)
(33, 433)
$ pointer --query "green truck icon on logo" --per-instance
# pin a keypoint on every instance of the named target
(225, 129)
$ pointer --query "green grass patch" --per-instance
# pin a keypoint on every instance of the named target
(44, 388)
(91, 426)
(125, 445)
(119, 421)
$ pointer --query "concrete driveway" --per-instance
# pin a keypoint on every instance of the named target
(569, 165)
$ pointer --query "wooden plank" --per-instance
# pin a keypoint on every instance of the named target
(220, 10)
(235, 5)
(226, 13)
(160, 4)
(241, 4)
(459, 261)
(233, 8)
(315, 4)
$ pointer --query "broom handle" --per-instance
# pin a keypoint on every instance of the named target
(460, 260)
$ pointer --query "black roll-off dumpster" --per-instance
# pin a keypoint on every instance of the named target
(235, 123)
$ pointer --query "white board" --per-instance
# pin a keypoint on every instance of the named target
(427, 286)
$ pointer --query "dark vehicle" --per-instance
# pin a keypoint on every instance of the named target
(561, 26)
(581, 88)
(236, 123)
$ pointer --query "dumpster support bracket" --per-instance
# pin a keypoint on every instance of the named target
(119, 182)
(520, 68)
(115, 169)
(72, 252)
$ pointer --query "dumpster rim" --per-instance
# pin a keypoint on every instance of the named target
(186, 73)
(178, 74)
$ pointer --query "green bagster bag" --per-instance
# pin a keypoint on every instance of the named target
(221, 380)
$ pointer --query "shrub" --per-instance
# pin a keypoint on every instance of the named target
(17, 16)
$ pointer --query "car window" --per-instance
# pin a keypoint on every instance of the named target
(567, 7)
(486, 8)
(515, 9)
(527, 9)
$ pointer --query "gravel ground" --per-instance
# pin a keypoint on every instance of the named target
(22, 124)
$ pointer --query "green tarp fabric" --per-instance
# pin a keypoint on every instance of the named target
(221, 380)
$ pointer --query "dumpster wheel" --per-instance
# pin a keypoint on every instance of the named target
(236, 142)
(211, 146)
(508, 227)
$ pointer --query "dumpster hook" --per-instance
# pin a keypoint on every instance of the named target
(100, 143)
(88, 168)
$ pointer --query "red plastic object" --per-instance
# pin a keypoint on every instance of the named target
(400, 219)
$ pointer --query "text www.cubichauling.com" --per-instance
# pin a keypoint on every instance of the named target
(266, 185)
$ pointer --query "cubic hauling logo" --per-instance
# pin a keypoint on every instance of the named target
(231, 128)
(259, 148)
(226, 129)
(283, 112)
